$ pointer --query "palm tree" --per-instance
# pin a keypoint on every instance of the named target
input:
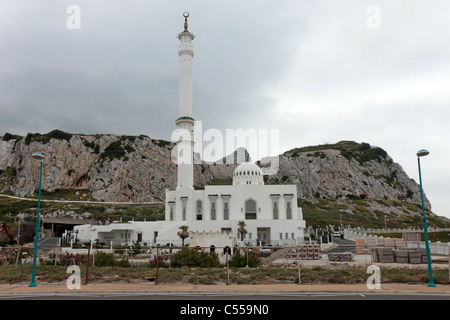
(183, 234)
(241, 229)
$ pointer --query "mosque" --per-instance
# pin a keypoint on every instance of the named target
(212, 215)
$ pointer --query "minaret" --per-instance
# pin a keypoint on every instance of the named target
(185, 122)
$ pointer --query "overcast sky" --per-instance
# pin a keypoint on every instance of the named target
(317, 71)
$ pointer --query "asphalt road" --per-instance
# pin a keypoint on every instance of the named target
(48, 244)
(242, 298)
(217, 306)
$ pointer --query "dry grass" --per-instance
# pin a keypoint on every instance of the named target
(262, 275)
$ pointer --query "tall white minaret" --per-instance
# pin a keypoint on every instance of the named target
(185, 122)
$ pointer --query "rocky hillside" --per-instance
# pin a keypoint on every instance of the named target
(114, 168)
(138, 168)
(346, 170)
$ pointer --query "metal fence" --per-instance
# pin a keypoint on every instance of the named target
(157, 257)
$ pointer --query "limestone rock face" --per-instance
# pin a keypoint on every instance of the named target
(346, 169)
(138, 168)
(113, 168)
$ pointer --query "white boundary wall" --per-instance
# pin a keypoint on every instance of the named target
(435, 247)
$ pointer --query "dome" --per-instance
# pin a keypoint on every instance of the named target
(248, 173)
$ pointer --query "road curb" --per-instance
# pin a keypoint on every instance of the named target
(221, 290)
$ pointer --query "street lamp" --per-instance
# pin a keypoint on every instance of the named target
(40, 157)
(423, 153)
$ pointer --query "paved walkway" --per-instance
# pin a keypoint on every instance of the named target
(223, 289)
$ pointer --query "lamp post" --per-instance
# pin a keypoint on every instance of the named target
(423, 153)
(40, 157)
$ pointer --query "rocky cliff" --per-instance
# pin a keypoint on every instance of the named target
(138, 168)
(346, 169)
(114, 168)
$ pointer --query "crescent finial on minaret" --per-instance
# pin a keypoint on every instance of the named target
(185, 15)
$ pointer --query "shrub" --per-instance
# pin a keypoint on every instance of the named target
(113, 151)
(8, 136)
(118, 249)
(45, 138)
(162, 260)
(238, 260)
(103, 259)
(195, 258)
(68, 259)
(137, 248)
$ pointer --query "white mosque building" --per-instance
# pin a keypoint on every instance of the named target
(270, 212)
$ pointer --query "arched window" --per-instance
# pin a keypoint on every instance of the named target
(213, 210)
(275, 209)
(250, 209)
(226, 213)
(199, 209)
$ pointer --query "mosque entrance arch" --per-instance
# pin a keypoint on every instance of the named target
(250, 209)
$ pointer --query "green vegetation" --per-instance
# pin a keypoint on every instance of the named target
(113, 151)
(271, 179)
(195, 258)
(365, 213)
(221, 181)
(362, 152)
(239, 260)
(319, 154)
(45, 138)
(10, 207)
(118, 149)
(92, 145)
(9, 172)
(8, 136)
(68, 194)
(103, 259)
(162, 143)
(271, 275)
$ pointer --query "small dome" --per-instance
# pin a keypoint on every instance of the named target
(248, 173)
